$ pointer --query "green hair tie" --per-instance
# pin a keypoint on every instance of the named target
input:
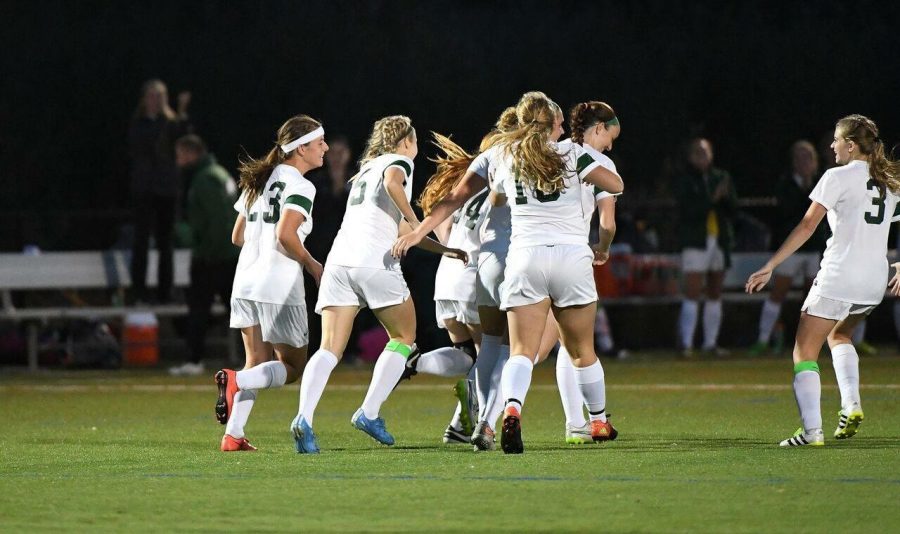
(612, 122)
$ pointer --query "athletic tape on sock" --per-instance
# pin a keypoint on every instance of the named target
(400, 348)
(806, 366)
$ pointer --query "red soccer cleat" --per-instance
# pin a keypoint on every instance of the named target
(226, 380)
(231, 444)
(603, 431)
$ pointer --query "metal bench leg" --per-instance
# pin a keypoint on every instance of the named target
(32, 346)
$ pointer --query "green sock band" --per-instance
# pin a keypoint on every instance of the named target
(401, 348)
(806, 366)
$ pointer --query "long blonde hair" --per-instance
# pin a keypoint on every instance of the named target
(863, 131)
(536, 161)
(254, 173)
(387, 133)
(454, 162)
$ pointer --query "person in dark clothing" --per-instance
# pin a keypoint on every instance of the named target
(792, 194)
(707, 203)
(211, 215)
(154, 182)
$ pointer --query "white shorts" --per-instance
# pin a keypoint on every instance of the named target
(836, 310)
(361, 286)
(561, 272)
(488, 279)
(698, 260)
(462, 312)
(279, 323)
(800, 263)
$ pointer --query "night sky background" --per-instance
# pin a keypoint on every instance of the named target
(753, 77)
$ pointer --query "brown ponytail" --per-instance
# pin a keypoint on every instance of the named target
(254, 173)
(863, 131)
(586, 115)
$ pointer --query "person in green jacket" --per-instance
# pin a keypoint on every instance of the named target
(210, 215)
(707, 203)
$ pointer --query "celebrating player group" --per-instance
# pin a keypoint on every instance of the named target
(516, 276)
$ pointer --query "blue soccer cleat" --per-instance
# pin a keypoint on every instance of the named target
(372, 427)
(304, 438)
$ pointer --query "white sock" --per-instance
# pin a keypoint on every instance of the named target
(388, 370)
(859, 333)
(515, 380)
(263, 376)
(687, 322)
(240, 412)
(846, 368)
(449, 362)
(569, 392)
(591, 382)
(712, 321)
(315, 376)
(484, 366)
(494, 405)
(767, 319)
(808, 391)
(602, 331)
(455, 424)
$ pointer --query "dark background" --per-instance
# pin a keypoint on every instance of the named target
(753, 77)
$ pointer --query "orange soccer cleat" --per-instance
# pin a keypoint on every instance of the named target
(603, 431)
(226, 380)
(232, 444)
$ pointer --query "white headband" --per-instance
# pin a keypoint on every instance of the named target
(288, 148)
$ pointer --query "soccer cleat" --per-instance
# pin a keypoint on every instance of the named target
(373, 427)
(801, 439)
(232, 444)
(412, 361)
(603, 430)
(848, 423)
(716, 351)
(578, 435)
(511, 434)
(464, 390)
(483, 437)
(866, 349)
(304, 438)
(187, 369)
(453, 435)
(226, 380)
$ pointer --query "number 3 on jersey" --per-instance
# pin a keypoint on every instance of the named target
(274, 214)
(878, 202)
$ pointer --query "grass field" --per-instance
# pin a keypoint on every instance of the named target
(696, 452)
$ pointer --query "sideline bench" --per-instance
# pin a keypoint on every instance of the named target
(84, 270)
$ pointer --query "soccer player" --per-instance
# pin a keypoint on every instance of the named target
(549, 261)
(860, 198)
(268, 298)
(792, 193)
(360, 271)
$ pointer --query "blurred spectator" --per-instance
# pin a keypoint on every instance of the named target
(792, 196)
(154, 185)
(211, 215)
(707, 204)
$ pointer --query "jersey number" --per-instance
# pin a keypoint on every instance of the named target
(878, 202)
(274, 214)
(474, 210)
(538, 194)
(358, 192)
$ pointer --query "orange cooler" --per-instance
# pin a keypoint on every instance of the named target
(141, 339)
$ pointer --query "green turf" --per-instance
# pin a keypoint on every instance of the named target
(93, 452)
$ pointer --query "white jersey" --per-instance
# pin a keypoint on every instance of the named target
(372, 220)
(265, 273)
(547, 219)
(592, 193)
(496, 230)
(854, 267)
(455, 280)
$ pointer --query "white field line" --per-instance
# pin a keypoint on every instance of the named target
(193, 388)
